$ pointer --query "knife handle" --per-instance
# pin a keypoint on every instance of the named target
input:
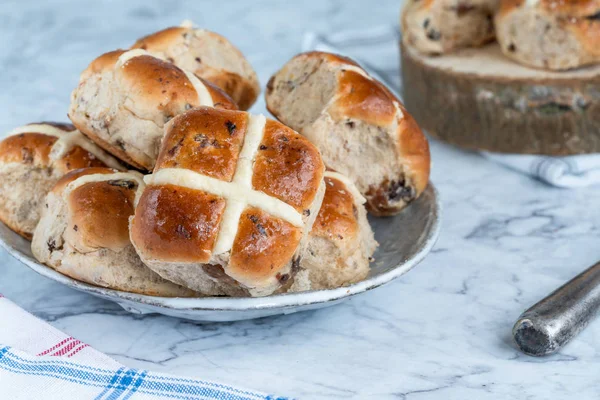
(551, 323)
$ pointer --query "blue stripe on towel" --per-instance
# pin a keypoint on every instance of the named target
(122, 383)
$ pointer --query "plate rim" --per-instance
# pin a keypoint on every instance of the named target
(278, 301)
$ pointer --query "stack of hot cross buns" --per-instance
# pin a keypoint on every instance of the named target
(164, 185)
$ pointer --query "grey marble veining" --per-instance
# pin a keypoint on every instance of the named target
(440, 332)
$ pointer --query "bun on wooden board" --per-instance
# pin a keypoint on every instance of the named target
(32, 159)
(359, 126)
(124, 99)
(83, 232)
(341, 241)
(550, 34)
(208, 55)
(230, 203)
(442, 26)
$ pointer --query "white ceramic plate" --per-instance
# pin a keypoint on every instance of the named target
(404, 241)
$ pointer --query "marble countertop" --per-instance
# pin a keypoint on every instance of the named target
(440, 332)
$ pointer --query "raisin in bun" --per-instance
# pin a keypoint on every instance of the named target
(84, 232)
(230, 203)
(550, 34)
(208, 55)
(360, 128)
(124, 99)
(441, 26)
(341, 241)
(32, 159)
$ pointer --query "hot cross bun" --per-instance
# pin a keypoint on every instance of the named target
(84, 232)
(550, 34)
(441, 26)
(124, 99)
(32, 159)
(208, 55)
(359, 126)
(230, 203)
(341, 242)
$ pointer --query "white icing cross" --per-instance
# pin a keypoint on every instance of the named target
(66, 141)
(238, 193)
(204, 96)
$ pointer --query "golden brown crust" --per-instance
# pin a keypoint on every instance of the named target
(508, 5)
(220, 98)
(161, 40)
(27, 148)
(357, 97)
(152, 90)
(242, 90)
(78, 158)
(287, 166)
(263, 246)
(150, 79)
(204, 140)
(105, 62)
(414, 147)
(363, 99)
(176, 224)
(337, 218)
(100, 213)
(587, 32)
(33, 148)
(329, 57)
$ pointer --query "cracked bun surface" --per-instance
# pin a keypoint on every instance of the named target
(32, 159)
(550, 34)
(84, 232)
(341, 242)
(355, 122)
(442, 26)
(230, 203)
(124, 98)
(209, 56)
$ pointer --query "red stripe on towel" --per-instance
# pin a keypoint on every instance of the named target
(67, 348)
(56, 346)
(77, 350)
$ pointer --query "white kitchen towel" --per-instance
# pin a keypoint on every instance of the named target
(377, 50)
(37, 361)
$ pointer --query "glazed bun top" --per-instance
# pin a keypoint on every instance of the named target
(100, 202)
(124, 98)
(154, 83)
(233, 189)
(208, 55)
(52, 144)
(338, 216)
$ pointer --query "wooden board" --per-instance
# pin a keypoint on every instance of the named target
(479, 99)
